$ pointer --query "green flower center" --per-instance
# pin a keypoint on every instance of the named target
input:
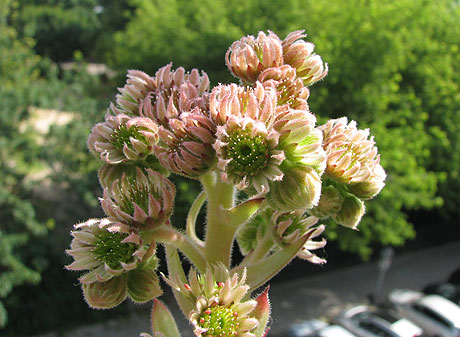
(219, 322)
(122, 135)
(110, 249)
(249, 154)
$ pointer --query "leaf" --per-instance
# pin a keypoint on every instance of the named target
(262, 313)
(163, 323)
(263, 270)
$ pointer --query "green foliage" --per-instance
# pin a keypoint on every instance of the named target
(380, 54)
(52, 22)
(18, 224)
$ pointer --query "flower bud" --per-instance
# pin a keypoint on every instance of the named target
(120, 139)
(291, 226)
(257, 103)
(300, 188)
(351, 212)
(298, 54)
(144, 202)
(106, 248)
(105, 295)
(300, 141)
(108, 173)
(137, 86)
(143, 285)
(372, 186)
(329, 204)
(248, 57)
(352, 156)
(186, 144)
(176, 92)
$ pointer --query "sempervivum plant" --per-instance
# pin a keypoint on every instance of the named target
(257, 136)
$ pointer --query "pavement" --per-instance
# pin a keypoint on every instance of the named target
(322, 295)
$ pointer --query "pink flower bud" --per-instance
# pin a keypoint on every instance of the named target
(121, 139)
(298, 54)
(248, 57)
(144, 202)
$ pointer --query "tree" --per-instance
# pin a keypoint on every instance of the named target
(18, 223)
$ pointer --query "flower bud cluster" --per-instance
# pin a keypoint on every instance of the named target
(353, 172)
(250, 56)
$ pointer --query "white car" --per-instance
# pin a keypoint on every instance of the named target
(317, 328)
(370, 321)
(436, 315)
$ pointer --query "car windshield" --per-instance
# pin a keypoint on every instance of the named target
(431, 314)
(387, 316)
(375, 329)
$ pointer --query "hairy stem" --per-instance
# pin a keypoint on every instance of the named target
(219, 234)
(191, 219)
(169, 235)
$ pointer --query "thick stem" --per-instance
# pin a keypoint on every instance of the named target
(219, 232)
(191, 219)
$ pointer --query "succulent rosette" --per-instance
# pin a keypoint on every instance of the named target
(298, 53)
(216, 298)
(144, 201)
(249, 56)
(122, 139)
(106, 248)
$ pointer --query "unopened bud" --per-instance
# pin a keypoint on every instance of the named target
(329, 204)
(300, 188)
(351, 212)
(105, 295)
(143, 285)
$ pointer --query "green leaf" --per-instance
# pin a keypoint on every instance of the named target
(163, 323)
(263, 270)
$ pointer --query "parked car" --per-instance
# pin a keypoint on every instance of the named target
(369, 321)
(435, 314)
(317, 328)
(447, 290)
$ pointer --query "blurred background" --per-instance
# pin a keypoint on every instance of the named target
(394, 67)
